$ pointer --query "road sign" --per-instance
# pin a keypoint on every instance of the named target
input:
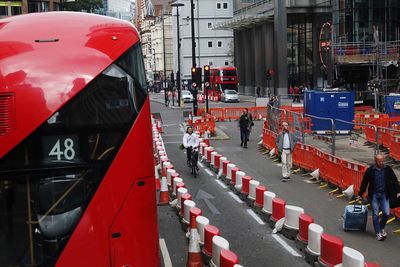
(207, 84)
(194, 85)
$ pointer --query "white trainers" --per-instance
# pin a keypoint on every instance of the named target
(379, 237)
(383, 233)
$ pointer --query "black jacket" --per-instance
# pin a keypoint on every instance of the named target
(244, 122)
(392, 184)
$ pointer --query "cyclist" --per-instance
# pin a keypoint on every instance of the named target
(190, 141)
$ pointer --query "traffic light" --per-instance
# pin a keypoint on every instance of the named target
(196, 77)
(268, 75)
(206, 75)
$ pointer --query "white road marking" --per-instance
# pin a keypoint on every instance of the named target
(285, 245)
(181, 128)
(172, 142)
(165, 254)
(221, 184)
(200, 164)
(209, 172)
(255, 216)
(167, 135)
(235, 197)
(278, 165)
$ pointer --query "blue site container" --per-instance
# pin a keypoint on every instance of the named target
(330, 104)
(392, 105)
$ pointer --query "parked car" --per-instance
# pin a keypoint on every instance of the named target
(230, 96)
(187, 96)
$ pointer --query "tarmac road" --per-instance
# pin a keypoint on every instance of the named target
(250, 240)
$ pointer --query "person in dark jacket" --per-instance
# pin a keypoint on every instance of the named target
(382, 184)
(244, 124)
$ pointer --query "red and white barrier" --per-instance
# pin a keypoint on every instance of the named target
(169, 175)
(188, 205)
(228, 258)
(213, 154)
(331, 250)
(351, 258)
(202, 222)
(314, 238)
(252, 191)
(239, 177)
(184, 197)
(176, 181)
(292, 214)
(180, 191)
(229, 168)
(278, 209)
(218, 243)
(209, 233)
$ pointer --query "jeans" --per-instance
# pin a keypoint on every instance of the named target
(380, 200)
(244, 136)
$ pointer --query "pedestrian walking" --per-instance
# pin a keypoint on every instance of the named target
(244, 124)
(296, 92)
(258, 91)
(382, 186)
(251, 124)
(286, 142)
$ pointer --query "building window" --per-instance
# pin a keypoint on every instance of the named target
(209, 44)
(209, 25)
(225, 5)
(210, 62)
(38, 6)
(56, 6)
(219, 43)
(194, 6)
(3, 10)
(226, 62)
(218, 5)
(16, 10)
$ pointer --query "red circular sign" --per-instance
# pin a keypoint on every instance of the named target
(194, 84)
(207, 84)
(271, 72)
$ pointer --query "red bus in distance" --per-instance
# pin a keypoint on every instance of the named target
(223, 78)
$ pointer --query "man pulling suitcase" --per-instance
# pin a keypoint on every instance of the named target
(382, 185)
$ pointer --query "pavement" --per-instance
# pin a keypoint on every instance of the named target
(251, 240)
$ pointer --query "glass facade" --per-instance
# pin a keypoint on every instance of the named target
(38, 6)
(357, 20)
(300, 50)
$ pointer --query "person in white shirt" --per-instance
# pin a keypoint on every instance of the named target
(190, 140)
(286, 142)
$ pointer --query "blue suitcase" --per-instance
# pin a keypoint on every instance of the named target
(355, 218)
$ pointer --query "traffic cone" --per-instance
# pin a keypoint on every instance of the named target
(164, 195)
(194, 254)
(315, 174)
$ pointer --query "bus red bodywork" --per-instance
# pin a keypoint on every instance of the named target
(223, 78)
(76, 166)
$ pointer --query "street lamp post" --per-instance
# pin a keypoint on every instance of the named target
(164, 73)
(178, 74)
(193, 57)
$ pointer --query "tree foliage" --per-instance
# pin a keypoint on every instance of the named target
(82, 5)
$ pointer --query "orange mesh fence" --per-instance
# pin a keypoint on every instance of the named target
(269, 138)
(332, 169)
(233, 113)
(352, 174)
(218, 113)
(320, 163)
(370, 133)
(368, 119)
(394, 150)
(306, 157)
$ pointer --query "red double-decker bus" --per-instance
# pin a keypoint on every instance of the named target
(76, 166)
(223, 78)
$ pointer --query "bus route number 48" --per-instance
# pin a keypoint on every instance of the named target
(66, 149)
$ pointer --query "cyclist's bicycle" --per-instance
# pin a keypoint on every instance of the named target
(194, 155)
